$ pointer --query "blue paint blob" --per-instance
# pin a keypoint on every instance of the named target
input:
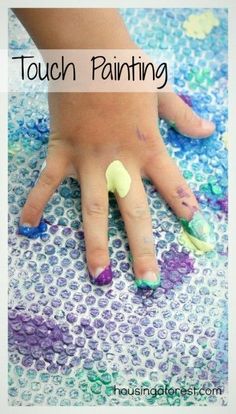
(33, 232)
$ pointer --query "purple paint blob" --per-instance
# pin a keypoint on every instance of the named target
(38, 340)
(223, 203)
(175, 266)
(104, 278)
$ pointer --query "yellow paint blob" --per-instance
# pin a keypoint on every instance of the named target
(195, 245)
(200, 25)
(224, 138)
(118, 178)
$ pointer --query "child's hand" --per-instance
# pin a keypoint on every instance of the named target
(88, 132)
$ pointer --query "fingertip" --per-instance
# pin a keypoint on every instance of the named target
(202, 129)
(207, 127)
(30, 217)
(101, 276)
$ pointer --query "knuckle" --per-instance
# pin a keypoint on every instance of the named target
(146, 254)
(95, 208)
(49, 178)
(138, 212)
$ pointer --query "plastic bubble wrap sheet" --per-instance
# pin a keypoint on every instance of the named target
(71, 342)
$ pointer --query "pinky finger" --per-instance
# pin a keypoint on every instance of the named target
(49, 180)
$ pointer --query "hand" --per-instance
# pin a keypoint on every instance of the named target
(88, 132)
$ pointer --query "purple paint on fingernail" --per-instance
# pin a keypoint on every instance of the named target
(104, 278)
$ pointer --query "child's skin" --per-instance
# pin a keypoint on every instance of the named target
(90, 130)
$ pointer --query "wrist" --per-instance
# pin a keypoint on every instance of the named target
(76, 28)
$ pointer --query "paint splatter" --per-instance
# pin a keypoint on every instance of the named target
(182, 192)
(175, 266)
(33, 232)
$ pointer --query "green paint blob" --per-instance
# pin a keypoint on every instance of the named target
(92, 376)
(142, 283)
(197, 234)
(199, 177)
(96, 388)
(109, 390)
(216, 189)
(106, 378)
(187, 174)
(118, 178)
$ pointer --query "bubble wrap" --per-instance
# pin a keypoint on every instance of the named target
(71, 342)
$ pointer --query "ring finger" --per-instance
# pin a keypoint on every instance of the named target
(135, 211)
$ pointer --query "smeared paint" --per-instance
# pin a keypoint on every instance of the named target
(182, 193)
(199, 26)
(38, 340)
(104, 278)
(142, 283)
(140, 135)
(118, 178)
(176, 264)
(33, 232)
(198, 232)
(193, 244)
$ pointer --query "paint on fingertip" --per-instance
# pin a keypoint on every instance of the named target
(32, 232)
(197, 233)
(118, 178)
(143, 283)
(103, 276)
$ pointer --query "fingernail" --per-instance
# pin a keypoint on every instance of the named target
(149, 280)
(32, 232)
(102, 276)
(200, 232)
(205, 124)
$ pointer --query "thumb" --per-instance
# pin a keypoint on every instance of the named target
(175, 111)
